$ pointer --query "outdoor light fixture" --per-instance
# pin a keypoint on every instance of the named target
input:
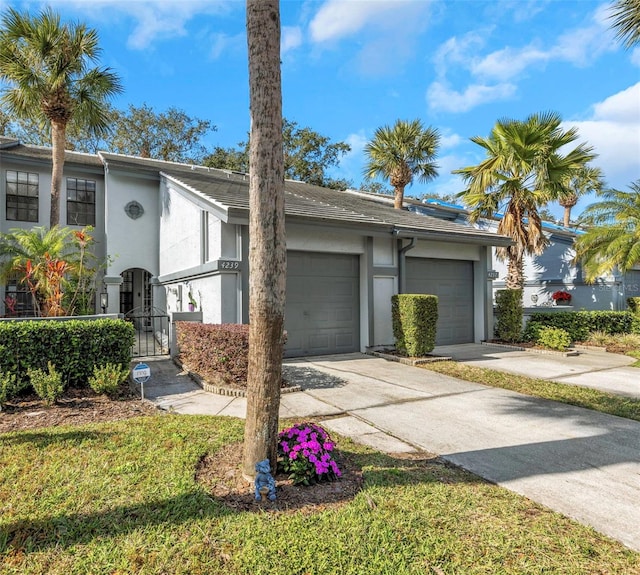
(104, 301)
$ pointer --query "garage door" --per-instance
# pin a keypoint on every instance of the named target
(322, 310)
(452, 282)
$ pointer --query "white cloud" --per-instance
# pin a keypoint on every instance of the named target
(385, 31)
(338, 19)
(441, 97)
(153, 19)
(220, 44)
(614, 132)
(579, 47)
(291, 38)
(448, 140)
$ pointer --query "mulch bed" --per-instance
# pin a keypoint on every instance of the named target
(220, 473)
(76, 407)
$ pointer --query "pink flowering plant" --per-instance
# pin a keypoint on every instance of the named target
(305, 453)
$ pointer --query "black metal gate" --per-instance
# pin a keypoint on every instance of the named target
(152, 332)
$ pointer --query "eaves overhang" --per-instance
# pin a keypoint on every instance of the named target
(457, 237)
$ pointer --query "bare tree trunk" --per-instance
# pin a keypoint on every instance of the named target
(267, 244)
(515, 272)
(567, 216)
(58, 139)
(398, 198)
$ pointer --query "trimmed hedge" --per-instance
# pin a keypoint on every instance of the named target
(579, 324)
(509, 313)
(217, 352)
(634, 304)
(74, 347)
(414, 319)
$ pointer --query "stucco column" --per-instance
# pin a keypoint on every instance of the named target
(112, 285)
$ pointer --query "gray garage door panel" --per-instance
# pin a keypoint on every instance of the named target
(452, 282)
(322, 313)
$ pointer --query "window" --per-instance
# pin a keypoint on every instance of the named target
(22, 196)
(18, 301)
(81, 202)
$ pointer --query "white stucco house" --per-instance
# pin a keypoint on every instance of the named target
(551, 271)
(172, 230)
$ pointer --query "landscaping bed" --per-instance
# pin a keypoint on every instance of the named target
(77, 406)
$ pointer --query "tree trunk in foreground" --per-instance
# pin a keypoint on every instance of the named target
(267, 247)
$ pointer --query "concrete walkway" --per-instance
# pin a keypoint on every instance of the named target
(581, 463)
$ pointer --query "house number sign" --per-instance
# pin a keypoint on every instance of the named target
(228, 265)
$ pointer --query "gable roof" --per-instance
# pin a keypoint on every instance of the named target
(306, 202)
(229, 192)
(12, 148)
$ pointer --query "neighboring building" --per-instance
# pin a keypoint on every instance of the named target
(551, 271)
(172, 230)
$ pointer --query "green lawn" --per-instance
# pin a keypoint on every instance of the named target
(571, 394)
(121, 498)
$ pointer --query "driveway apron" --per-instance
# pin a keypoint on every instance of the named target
(579, 462)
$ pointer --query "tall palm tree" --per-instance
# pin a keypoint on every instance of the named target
(586, 180)
(402, 152)
(523, 171)
(626, 21)
(613, 241)
(46, 68)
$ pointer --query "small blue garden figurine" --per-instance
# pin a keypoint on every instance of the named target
(265, 483)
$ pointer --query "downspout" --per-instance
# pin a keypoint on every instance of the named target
(402, 280)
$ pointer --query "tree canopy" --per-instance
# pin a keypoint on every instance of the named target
(402, 152)
(308, 156)
(626, 21)
(613, 238)
(49, 79)
(171, 136)
(525, 168)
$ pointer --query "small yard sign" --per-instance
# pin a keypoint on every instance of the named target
(141, 374)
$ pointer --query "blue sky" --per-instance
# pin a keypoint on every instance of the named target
(350, 66)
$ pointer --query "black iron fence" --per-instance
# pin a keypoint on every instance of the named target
(152, 332)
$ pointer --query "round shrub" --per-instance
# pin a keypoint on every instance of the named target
(48, 386)
(553, 338)
(8, 387)
(107, 378)
(305, 452)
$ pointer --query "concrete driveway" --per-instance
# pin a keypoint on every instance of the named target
(581, 463)
(591, 368)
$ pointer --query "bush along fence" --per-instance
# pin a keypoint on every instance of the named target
(73, 348)
(579, 324)
(414, 318)
(218, 353)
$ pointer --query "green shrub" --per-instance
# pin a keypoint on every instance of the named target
(48, 386)
(579, 324)
(554, 338)
(8, 387)
(509, 313)
(634, 304)
(599, 338)
(107, 378)
(74, 346)
(414, 319)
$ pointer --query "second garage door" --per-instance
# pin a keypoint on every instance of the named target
(322, 309)
(452, 282)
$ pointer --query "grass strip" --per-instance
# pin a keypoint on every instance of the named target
(571, 394)
(121, 498)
